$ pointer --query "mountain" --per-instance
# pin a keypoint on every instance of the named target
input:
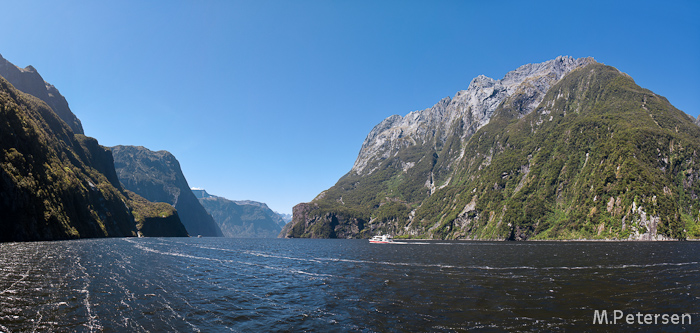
(55, 184)
(156, 176)
(29, 81)
(286, 218)
(241, 219)
(565, 149)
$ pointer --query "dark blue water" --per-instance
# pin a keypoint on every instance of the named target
(256, 285)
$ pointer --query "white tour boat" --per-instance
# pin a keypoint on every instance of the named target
(383, 239)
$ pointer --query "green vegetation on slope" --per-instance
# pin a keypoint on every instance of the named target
(155, 219)
(599, 158)
(54, 184)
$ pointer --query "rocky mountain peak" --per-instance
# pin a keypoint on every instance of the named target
(481, 81)
(470, 110)
(29, 69)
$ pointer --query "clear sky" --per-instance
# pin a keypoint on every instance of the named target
(271, 100)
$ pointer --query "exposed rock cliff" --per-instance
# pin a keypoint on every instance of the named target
(468, 111)
(241, 219)
(29, 81)
(156, 176)
(509, 159)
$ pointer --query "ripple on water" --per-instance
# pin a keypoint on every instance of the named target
(219, 284)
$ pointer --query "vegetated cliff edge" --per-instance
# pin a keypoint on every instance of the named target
(29, 81)
(241, 219)
(156, 176)
(566, 149)
(55, 184)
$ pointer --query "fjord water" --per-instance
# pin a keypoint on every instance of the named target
(253, 285)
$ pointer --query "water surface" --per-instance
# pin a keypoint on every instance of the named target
(253, 285)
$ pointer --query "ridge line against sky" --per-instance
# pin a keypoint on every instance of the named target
(271, 100)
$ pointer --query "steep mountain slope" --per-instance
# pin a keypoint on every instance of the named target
(55, 184)
(157, 177)
(241, 219)
(29, 81)
(598, 158)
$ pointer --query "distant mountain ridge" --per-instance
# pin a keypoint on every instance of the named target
(285, 217)
(242, 218)
(156, 176)
(537, 154)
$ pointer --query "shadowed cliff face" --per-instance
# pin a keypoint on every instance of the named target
(29, 81)
(49, 188)
(572, 149)
(156, 175)
(55, 184)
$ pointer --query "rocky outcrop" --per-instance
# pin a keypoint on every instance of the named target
(29, 81)
(156, 176)
(241, 219)
(307, 224)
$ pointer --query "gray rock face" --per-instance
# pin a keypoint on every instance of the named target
(470, 109)
(157, 177)
(29, 81)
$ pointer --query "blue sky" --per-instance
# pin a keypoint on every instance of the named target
(271, 100)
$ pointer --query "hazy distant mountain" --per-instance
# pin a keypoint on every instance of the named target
(55, 184)
(29, 81)
(285, 217)
(156, 176)
(242, 219)
(565, 149)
